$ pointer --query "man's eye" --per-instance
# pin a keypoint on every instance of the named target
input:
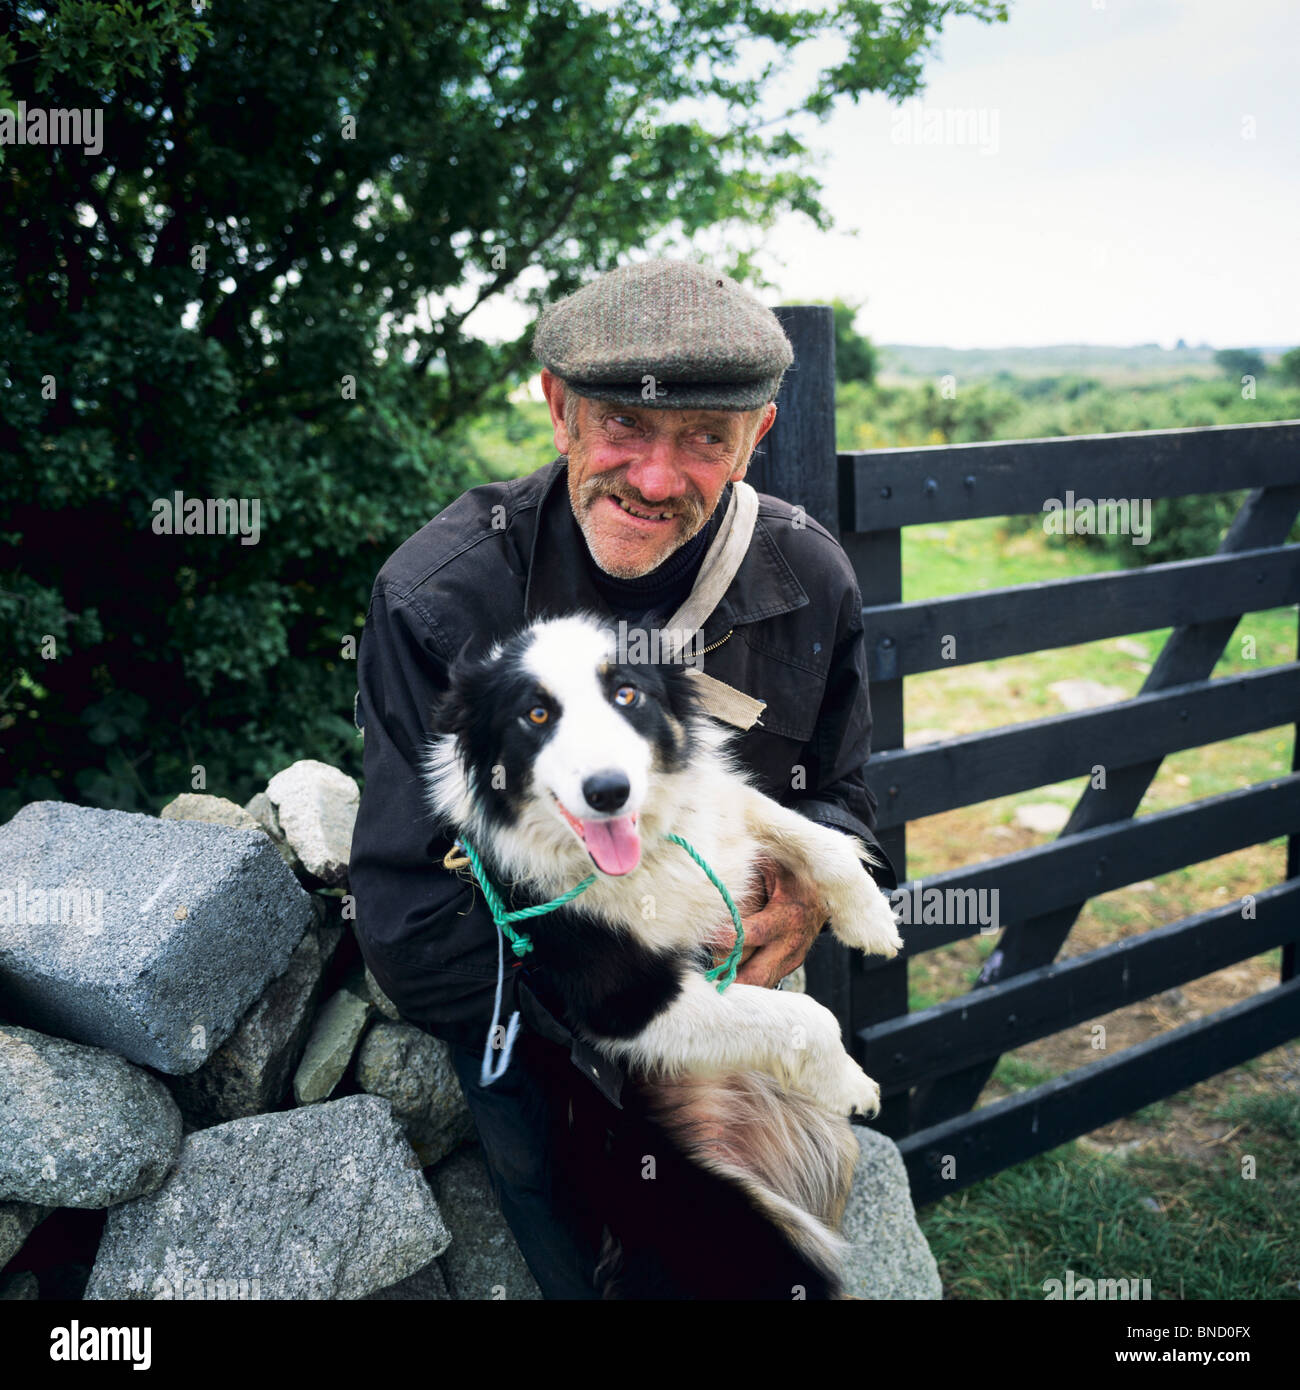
(625, 421)
(626, 695)
(539, 714)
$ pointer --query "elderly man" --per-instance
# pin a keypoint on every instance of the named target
(661, 379)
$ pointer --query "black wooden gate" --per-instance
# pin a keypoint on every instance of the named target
(933, 1064)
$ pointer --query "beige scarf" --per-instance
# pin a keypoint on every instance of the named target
(717, 570)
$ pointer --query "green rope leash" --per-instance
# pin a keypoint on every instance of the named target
(521, 944)
(727, 970)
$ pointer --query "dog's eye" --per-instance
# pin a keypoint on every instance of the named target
(539, 714)
(626, 695)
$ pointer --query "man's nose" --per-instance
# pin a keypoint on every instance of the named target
(656, 474)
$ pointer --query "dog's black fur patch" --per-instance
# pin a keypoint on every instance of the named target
(608, 983)
(482, 707)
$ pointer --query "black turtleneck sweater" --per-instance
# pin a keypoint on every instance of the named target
(656, 596)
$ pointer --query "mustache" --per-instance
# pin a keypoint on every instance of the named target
(689, 508)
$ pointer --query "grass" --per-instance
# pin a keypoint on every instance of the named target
(1195, 1231)
(1020, 1074)
(512, 442)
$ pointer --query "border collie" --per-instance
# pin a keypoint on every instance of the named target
(554, 759)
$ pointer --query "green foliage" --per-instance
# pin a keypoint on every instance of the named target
(1007, 407)
(855, 354)
(261, 289)
(1143, 361)
(870, 417)
(1289, 366)
(99, 41)
(1239, 362)
(513, 439)
(1181, 529)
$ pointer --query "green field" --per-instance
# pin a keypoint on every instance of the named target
(1145, 362)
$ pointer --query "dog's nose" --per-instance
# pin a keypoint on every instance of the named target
(606, 791)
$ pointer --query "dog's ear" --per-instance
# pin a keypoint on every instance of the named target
(683, 693)
(451, 709)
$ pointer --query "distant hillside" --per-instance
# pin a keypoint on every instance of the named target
(903, 360)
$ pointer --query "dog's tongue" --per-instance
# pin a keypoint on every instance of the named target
(615, 845)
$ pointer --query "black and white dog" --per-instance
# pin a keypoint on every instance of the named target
(552, 758)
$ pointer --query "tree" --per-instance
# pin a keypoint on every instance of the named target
(1239, 362)
(262, 288)
(855, 354)
(1289, 366)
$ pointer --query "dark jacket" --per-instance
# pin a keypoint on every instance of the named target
(787, 631)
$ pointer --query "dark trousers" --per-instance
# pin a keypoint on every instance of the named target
(530, 1123)
(563, 1161)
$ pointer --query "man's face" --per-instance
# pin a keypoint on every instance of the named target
(642, 482)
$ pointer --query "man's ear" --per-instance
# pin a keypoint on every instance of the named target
(553, 390)
(764, 424)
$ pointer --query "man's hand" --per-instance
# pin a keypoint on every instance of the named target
(780, 927)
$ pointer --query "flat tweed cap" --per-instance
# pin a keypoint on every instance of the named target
(706, 341)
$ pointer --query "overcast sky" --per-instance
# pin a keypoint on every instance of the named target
(1128, 173)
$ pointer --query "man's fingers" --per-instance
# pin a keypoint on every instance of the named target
(720, 953)
(790, 890)
(767, 965)
(768, 931)
(759, 929)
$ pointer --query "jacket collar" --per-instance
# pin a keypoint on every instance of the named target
(558, 583)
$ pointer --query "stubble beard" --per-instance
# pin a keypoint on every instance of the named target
(612, 484)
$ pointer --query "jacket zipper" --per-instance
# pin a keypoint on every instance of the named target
(718, 643)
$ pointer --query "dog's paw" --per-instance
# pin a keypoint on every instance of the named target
(848, 1090)
(865, 921)
(821, 1068)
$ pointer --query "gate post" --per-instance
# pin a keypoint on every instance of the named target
(796, 462)
(796, 459)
